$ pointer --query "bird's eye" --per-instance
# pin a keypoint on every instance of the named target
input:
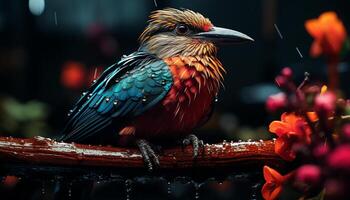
(181, 29)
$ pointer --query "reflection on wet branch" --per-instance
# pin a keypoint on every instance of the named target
(43, 156)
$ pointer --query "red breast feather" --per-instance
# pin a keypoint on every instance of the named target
(196, 81)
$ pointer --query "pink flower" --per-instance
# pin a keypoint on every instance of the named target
(309, 174)
(276, 102)
(340, 158)
(325, 103)
(346, 130)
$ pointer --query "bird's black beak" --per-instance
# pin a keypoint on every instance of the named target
(224, 36)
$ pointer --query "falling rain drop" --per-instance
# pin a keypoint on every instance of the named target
(196, 187)
(43, 189)
(255, 191)
(128, 187)
(55, 16)
(70, 190)
(169, 188)
(298, 51)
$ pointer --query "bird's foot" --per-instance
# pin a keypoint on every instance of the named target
(149, 156)
(195, 142)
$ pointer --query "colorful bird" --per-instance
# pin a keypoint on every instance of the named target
(162, 91)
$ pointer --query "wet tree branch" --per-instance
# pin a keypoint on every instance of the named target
(44, 155)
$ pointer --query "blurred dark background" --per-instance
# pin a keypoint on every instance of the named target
(50, 50)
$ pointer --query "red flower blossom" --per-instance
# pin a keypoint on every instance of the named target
(291, 130)
(274, 182)
(276, 102)
(329, 34)
(340, 158)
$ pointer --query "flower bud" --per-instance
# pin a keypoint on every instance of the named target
(276, 102)
(325, 103)
(287, 72)
(309, 174)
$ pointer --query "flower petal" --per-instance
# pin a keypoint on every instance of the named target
(271, 175)
(283, 147)
(279, 128)
(313, 28)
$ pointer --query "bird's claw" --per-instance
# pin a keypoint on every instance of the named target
(149, 156)
(196, 144)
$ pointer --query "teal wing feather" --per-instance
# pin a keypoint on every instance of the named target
(125, 90)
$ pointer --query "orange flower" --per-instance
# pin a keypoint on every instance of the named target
(329, 34)
(292, 129)
(274, 182)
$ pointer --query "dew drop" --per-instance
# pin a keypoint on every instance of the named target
(115, 102)
(153, 75)
(84, 93)
(144, 99)
(107, 99)
(163, 82)
(216, 99)
(117, 80)
(94, 81)
(70, 112)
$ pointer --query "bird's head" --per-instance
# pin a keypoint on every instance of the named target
(172, 32)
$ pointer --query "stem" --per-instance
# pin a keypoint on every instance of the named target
(333, 74)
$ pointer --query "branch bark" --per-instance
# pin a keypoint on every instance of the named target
(39, 151)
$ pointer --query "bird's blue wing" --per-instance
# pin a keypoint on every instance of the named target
(125, 90)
